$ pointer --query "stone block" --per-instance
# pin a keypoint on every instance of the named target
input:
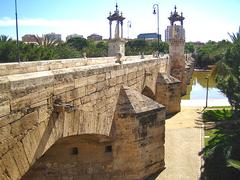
(30, 147)
(131, 76)
(63, 87)
(39, 104)
(5, 132)
(79, 82)
(4, 85)
(24, 124)
(11, 168)
(31, 99)
(101, 85)
(112, 81)
(79, 92)
(30, 82)
(4, 108)
(20, 158)
(91, 88)
(101, 77)
(92, 79)
(43, 114)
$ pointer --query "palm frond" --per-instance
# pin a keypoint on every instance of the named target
(4, 38)
(234, 163)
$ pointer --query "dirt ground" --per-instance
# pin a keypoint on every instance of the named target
(183, 142)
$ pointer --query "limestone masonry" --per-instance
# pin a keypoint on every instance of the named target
(90, 118)
(85, 118)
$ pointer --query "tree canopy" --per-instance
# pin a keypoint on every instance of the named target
(227, 73)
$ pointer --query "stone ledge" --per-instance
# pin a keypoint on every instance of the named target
(32, 80)
(49, 65)
(164, 78)
(132, 102)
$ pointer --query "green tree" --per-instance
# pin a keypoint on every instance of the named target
(227, 73)
(8, 51)
(189, 47)
(4, 38)
(163, 47)
(210, 53)
(64, 51)
(45, 41)
(78, 43)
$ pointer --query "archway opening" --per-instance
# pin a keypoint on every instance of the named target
(75, 157)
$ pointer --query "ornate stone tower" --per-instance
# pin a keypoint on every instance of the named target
(175, 36)
(117, 43)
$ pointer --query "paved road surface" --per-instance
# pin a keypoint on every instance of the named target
(183, 142)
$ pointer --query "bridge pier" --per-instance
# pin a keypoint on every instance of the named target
(168, 92)
(133, 150)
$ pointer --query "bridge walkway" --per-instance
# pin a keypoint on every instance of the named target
(183, 142)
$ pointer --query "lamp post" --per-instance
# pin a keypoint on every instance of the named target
(207, 92)
(156, 11)
(129, 25)
(16, 15)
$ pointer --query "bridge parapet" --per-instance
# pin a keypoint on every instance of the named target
(30, 123)
(48, 65)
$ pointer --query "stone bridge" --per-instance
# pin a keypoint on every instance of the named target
(85, 118)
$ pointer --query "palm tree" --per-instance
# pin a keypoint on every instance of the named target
(235, 37)
(227, 73)
(4, 38)
(45, 41)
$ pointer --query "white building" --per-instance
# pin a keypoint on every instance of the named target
(53, 37)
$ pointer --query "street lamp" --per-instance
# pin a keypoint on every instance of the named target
(207, 91)
(16, 15)
(156, 11)
(129, 25)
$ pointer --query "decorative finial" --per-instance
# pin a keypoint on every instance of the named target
(121, 13)
(116, 7)
(175, 8)
(181, 13)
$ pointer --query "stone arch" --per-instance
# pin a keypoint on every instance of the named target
(87, 156)
(148, 92)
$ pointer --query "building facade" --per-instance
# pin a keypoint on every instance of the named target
(149, 36)
(53, 37)
(94, 37)
(29, 38)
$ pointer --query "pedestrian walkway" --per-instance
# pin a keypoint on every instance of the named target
(183, 142)
(202, 102)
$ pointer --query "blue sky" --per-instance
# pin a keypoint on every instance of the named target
(205, 19)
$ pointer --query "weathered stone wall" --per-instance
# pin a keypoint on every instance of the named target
(134, 149)
(49, 65)
(177, 61)
(116, 46)
(168, 93)
(75, 157)
(39, 108)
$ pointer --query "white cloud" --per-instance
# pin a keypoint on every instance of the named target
(63, 27)
(199, 27)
